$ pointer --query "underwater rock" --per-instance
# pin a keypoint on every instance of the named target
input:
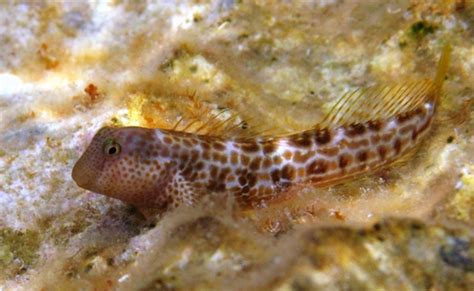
(69, 68)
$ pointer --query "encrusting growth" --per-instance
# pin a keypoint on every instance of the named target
(158, 169)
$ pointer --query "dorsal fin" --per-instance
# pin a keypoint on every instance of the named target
(360, 105)
(381, 102)
(378, 102)
(442, 70)
(208, 119)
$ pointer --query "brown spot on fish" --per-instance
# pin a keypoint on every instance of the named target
(275, 174)
(220, 146)
(187, 143)
(199, 165)
(322, 136)
(244, 160)
(184, 157)
(301, 140)
(216, 186)
(375, 139)
(250, 147)
(255, 164)
(344, 160)
(252, 179)
(264, 176)
(302, 158)
(187, 171)
(213, 171)
(288, 172)
(404, 117)
(205, 145)
(206, 155)
(224, 173)
(388, 136)
(165, 152)
(355, 129)
(269, 147)
(277, 160)
(382, 150)
(287, 155)
(167, 140)
(267, 162)
(216, 156)
(242, 181)
(234, 158)
(194, 155)
(223, 159)
(375, 125)
(317, 167)
(420, 111)
(301, 172)
(362, 156)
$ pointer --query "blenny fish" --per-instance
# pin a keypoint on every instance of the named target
(158, 169)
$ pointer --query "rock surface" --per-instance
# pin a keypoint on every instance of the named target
(67, 69)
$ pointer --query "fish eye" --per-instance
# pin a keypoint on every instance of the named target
(111, 147)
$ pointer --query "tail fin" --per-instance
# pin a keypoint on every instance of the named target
(442, 69)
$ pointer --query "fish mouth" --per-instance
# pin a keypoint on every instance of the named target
(82, 175)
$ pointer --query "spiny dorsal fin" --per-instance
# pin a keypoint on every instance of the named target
(378, 102)
(207, 119)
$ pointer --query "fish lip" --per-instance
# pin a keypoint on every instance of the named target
(85, 175)
(75, 176)
(81, 178)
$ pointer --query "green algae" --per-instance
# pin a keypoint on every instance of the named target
(416, 33)
(18, 250)
(420, 29)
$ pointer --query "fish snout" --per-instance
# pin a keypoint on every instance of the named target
(83, 177)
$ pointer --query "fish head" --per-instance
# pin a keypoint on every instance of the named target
(114, 165)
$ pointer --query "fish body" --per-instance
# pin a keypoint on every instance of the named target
(158, 169)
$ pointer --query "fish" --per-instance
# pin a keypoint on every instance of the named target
(366, 130)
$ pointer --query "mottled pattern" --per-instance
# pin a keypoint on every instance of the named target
(159, 169)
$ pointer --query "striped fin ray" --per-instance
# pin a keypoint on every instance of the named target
(207, 119)
(382, 102)
(377, 102)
